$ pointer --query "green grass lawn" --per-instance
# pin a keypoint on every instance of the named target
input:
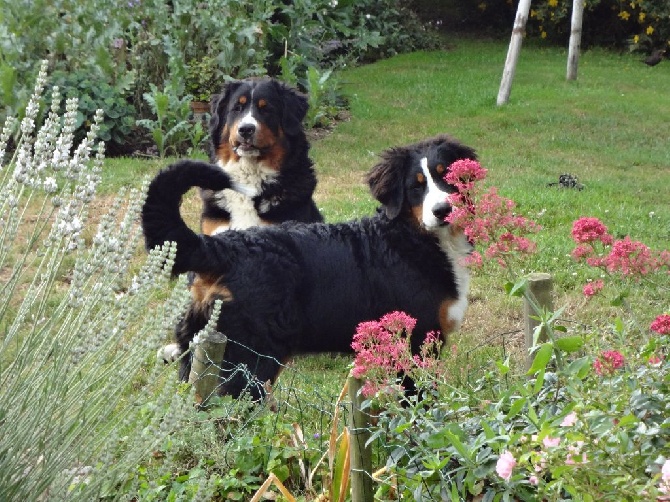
(610, 128)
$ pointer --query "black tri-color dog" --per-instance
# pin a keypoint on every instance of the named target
(301, 288)
(258, 140)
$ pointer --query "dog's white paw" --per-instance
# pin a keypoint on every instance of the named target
(169, 353)
(248, 190)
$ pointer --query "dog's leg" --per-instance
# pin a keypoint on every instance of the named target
(246, 371)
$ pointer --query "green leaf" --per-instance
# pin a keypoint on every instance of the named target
(516, 289)
(460, 447)
(569, 343)
(579, 367)
(503, 367)
(542, 358)
(516, 407)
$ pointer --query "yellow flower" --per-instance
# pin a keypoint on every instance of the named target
(632, 5)
(636, 39)
(553, 3)
(533, 13)
(624, 15)
(641, 17)
(544, 34)
(482, 6)
(650, 30)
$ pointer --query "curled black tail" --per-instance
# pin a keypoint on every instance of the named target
(161, 220)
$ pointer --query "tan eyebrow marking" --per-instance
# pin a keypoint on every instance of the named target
(262, 103)
(242, 100)
(440, 169)
(420, 178)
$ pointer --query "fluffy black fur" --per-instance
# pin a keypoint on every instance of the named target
(300, 288)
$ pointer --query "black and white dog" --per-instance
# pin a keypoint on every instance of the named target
(300, 288)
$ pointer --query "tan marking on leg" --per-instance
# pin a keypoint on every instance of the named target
(206, 288)
(209, 225)
(447, 325)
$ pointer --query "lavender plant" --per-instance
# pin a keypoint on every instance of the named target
(82, 402)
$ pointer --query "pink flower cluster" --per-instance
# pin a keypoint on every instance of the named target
(383, 351)
(625, 257)
(486, 218)
(661, 324)
(608, 362)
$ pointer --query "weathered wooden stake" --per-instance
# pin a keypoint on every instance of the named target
(207, 359)
(539, 290)
(575, 38)
(360, 455)
(513, 52)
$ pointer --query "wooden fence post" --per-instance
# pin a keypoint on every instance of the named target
(360, 456)
(540, 290)
(207, 358)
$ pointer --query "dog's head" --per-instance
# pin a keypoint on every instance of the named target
(251, 117)
(409, 180)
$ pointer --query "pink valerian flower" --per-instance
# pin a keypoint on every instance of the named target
(661, 324)
(383, 351)
(655, 361)
(593, 288)
(587, 229)
(487, 218)
(505, 465)
(608, 362)
(625, 257)
(631, 258)
(534, 480)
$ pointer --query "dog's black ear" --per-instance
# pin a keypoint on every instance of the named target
(451, 150)
(386, 179)
(295, 108)
(218, 105)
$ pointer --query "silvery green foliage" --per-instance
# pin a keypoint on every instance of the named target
(82, 402)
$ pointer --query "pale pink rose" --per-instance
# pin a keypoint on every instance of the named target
(550, 442)
(533, 480)
(664, 486)
(569, 420)
(505, 465)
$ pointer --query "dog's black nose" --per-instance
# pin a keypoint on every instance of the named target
(441, 210)
(246, 131)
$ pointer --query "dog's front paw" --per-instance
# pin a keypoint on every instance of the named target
(248, 190)
(169, 353)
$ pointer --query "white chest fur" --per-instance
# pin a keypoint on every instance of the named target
(457, 248)
(249, 172)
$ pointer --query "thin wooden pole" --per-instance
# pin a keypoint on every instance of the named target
(513, 52)
(575, 38)
(207, 358)
(540, 290)
(360, 455)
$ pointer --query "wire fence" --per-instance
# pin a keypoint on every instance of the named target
(309, 394)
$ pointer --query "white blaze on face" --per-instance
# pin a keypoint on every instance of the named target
(434, 196)
(248, 119)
